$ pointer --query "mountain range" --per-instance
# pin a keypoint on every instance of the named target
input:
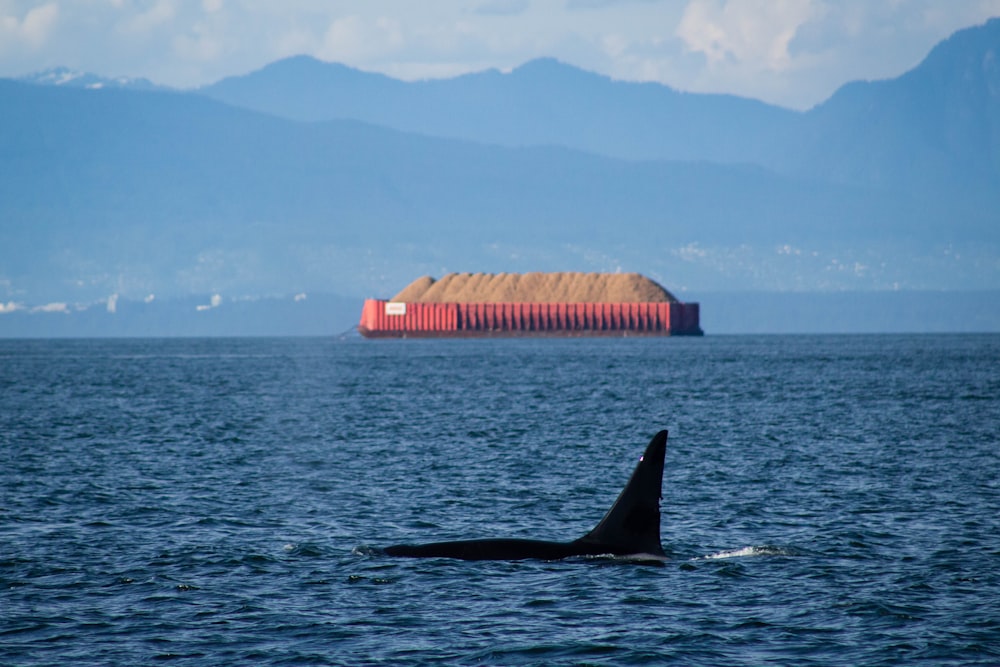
(312, 177)
(944, 115)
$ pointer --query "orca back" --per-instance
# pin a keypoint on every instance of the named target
(632, 525)
(630, 528)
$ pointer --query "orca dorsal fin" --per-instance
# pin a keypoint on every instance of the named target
(632, 525)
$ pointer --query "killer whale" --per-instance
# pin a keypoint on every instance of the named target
(630, 528)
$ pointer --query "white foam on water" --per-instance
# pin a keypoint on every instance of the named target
(763, 550)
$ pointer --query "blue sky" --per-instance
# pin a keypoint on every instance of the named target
(789, 52)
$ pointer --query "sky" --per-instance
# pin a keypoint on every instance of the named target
(794, 53)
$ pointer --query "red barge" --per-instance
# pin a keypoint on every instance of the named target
(508, 305)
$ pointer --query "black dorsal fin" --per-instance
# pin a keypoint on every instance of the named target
(632, 525)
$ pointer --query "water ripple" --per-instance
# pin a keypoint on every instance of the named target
(827, 500)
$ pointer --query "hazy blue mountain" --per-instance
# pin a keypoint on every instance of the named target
(936, 126)
(933, 127)
(237, 211)
(134, 192)
(543, 102)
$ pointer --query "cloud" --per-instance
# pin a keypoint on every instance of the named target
(39, 21)
(113, 304)
(600, 4)
(205, 37)
(355, 38)
(159, 15)
(502, 7)
(300, 297)
(10, 307)
(203, 45)
(752, 32)
(34, 29)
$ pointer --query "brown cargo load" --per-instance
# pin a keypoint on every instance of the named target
(462, 305)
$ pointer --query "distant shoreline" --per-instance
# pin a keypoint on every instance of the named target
(723, 313)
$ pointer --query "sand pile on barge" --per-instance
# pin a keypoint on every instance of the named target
(535, 288)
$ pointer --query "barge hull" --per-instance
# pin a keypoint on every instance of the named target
(389, 319)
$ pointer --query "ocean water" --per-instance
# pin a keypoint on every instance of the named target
(826, 500)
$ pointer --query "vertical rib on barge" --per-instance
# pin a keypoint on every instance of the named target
(533, 304)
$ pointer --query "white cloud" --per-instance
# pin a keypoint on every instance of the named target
(502, 7)
(112, 303)
(602, 4)
(34, 29)
(293, 41)
(38, 23)
(355, 38)
(300, 297)
(753, 32)
(206, 37)
(10, 307)
(202, 45)
(159, 15)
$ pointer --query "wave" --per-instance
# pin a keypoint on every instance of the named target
(745, 552)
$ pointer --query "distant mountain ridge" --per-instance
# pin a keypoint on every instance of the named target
(937, 122)
(247, 188)
(543, 102)
(112, 183)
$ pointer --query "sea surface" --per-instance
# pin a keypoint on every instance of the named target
(827, 500)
